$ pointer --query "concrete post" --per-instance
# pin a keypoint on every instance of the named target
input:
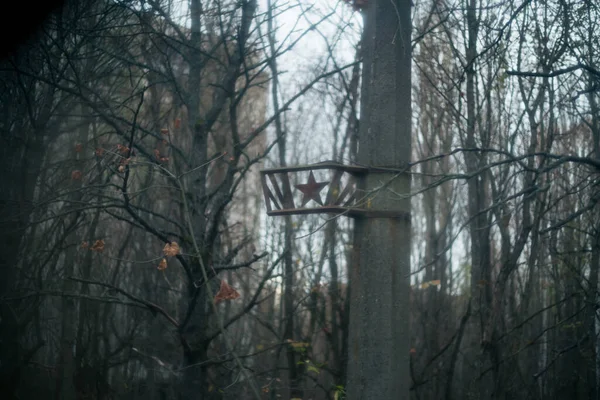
(378, 354)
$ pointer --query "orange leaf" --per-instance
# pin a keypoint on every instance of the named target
(435, 282)
(177, 123)
(76, 175)
(98, 246)
(171, 249)
(226, 292)
(99, 151)
(162, 265)
(123, 149)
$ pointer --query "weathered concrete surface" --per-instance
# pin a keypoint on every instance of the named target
(378, 359)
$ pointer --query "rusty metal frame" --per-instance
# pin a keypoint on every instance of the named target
(280, 200)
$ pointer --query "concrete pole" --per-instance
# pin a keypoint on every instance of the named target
(379, 342)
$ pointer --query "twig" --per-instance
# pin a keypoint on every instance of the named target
(153, 307)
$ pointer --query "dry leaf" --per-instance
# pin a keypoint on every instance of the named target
(121, 168)
(164, 131)
(162, 265)
(98, 246)
(99, 151)
(84, 245)
(123, 149)
(78, 147)
(76, 175)
(226, 292)
(435, 282)
(171, 249)
(177, 123)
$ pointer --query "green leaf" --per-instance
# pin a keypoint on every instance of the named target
(312, 368)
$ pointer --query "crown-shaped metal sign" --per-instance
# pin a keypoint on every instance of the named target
(326, 187)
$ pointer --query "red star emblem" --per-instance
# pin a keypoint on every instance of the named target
(311, 189)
